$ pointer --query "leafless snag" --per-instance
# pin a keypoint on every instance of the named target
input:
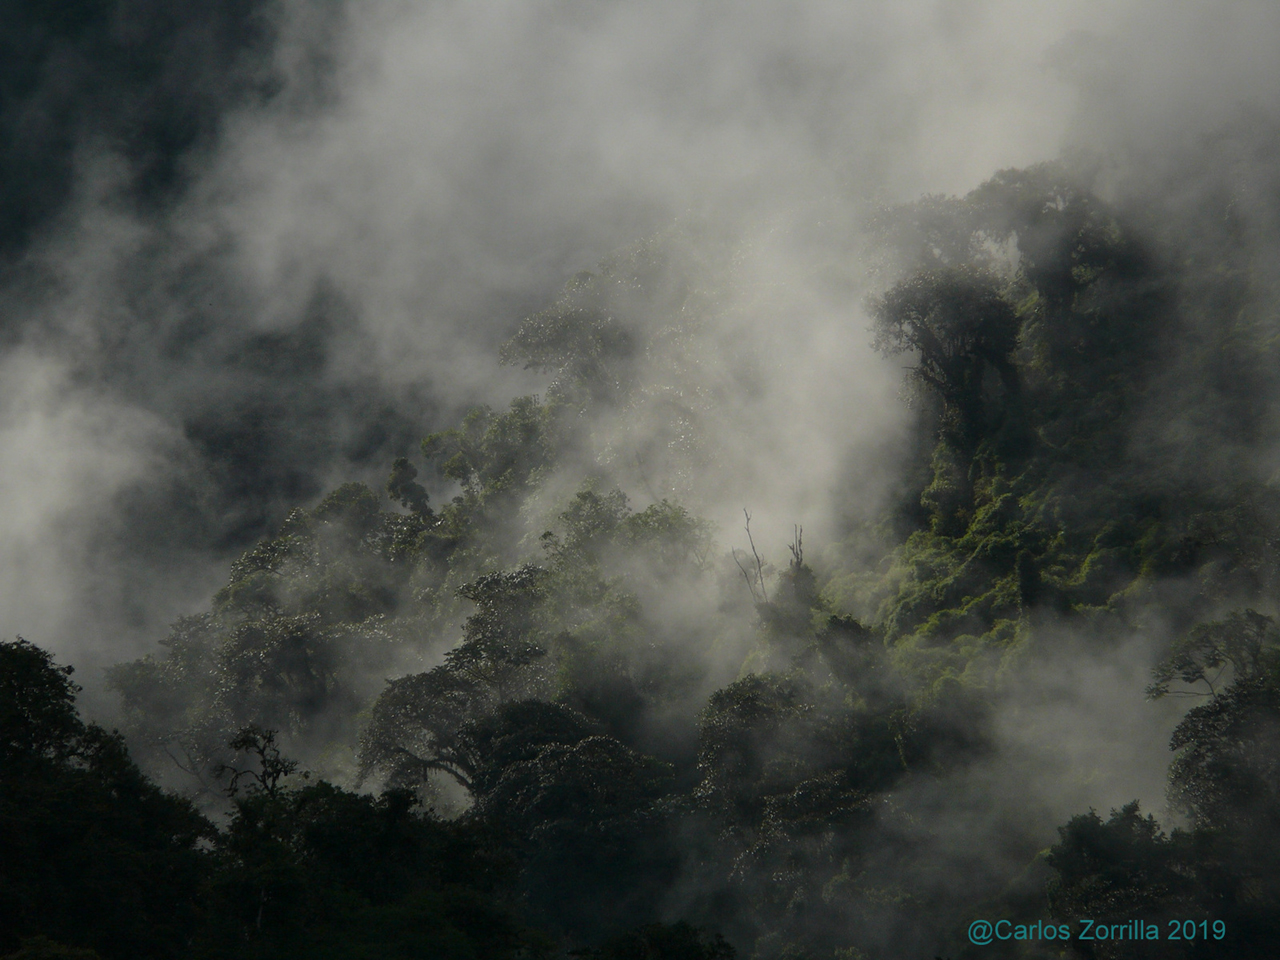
(755, 581)
(745, 576)
(797, 547)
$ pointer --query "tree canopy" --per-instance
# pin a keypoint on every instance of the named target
(523, 701)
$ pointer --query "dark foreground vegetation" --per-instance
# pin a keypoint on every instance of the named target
(604, 737)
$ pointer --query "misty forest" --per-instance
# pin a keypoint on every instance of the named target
(658, 482)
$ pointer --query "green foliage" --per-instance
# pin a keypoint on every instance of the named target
(596, 337)
(960, 326)
(272, 767)
(1225, 772)
(112, 867)
(639, 738)
(517, 734)
(1241, 647)
(95, 856)
(1037, 316)
(287, 644)
(492, 453)
(1120, 869)
(794, 768)
(1226, 866)
(593, 834)
(1052, 497)
(582, 344)
(1223, 869)
(402, 486)
(319, 872)
(38, 720)
(637, 359)
(418, 722)
(564, 629)
(750, 731)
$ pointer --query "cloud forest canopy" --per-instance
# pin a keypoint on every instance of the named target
(527, 702)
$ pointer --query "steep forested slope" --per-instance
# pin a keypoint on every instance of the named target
(598, 729)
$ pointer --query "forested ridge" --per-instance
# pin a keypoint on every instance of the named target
(524, 701)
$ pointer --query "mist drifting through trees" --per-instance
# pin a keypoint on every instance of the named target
(666, 480)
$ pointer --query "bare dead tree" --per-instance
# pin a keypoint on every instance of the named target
(797, 547)
(755, 579)
(751, 585)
